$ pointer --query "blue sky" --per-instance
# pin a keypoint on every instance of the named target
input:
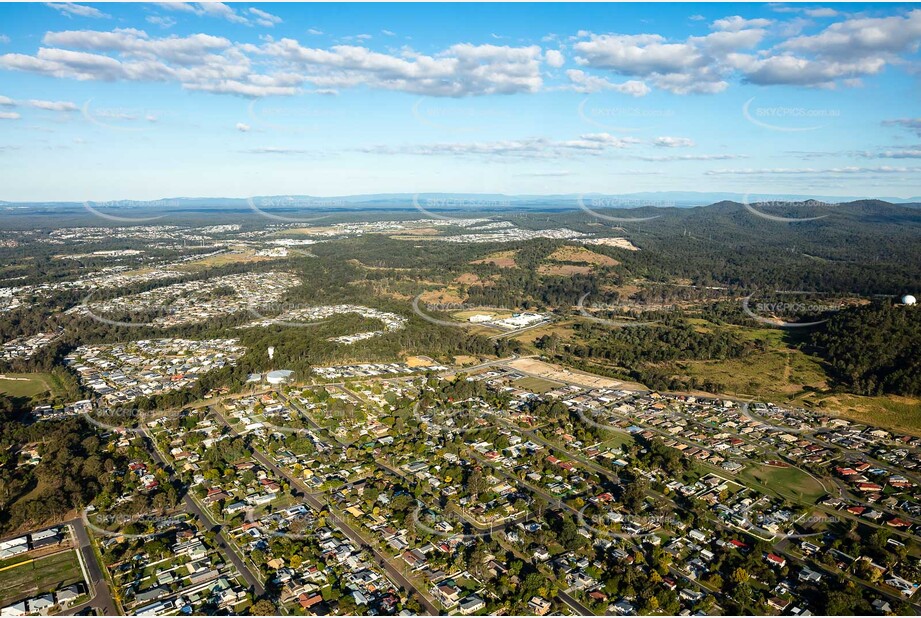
(147, 101)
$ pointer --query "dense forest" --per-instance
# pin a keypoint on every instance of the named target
(873, 349)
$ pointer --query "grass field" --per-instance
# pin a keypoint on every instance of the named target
(24, 384)
(784, 374)
(789, 482)
(536, 385)
(35, 577)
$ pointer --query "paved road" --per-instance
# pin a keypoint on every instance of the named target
(99, 587)
(192, 506)
(347, 529)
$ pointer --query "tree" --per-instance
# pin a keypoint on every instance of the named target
(263, 607)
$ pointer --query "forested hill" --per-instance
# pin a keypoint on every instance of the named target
(874, 349)
(864, 247)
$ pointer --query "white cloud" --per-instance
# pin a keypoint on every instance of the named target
(265, 19)
(70, 9)
(856, 38)
(161, 20)
(314, 31)
(242, 127)
(53, 106)
(737, 22)
(674, 142)
(4, 39)
(212, 9)
(582, 82)
(554, 58)
(821, 12)
(7, 101)
(9, 116)
(388, 33)
(697, 17)
(840, 55)
(590, 144)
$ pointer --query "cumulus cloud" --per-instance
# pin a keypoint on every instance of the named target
(554, 58)
(839, 55)
(674, 142)
(314, 31)
(7, 101)
(737, 23)
(582, 82)
(215, 64)
(70, 9)
(242, 127)
(9, 116)
(862, 37)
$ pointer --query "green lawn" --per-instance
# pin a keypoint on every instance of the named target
(536, 385)
(45, 574)
(791, 483)
(24, 384)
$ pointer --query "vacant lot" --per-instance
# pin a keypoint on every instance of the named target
(21, 579)
(561, 374)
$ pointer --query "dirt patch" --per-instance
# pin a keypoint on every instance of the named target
(502, 259)
(620, 243)
(563, 270)
(581, 255)
(562, 374)
(471, 279)
(442, 297)
(418, 361)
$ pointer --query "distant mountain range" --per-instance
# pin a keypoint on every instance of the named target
(469, 202)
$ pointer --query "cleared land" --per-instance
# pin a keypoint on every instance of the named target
(549, 371)
(502, 259)
(24, 384)
(20, 579)
(581, 255)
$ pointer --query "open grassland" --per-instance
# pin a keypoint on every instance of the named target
(784, 374)
(25, 384)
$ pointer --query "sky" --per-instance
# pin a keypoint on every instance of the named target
(148, 101)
